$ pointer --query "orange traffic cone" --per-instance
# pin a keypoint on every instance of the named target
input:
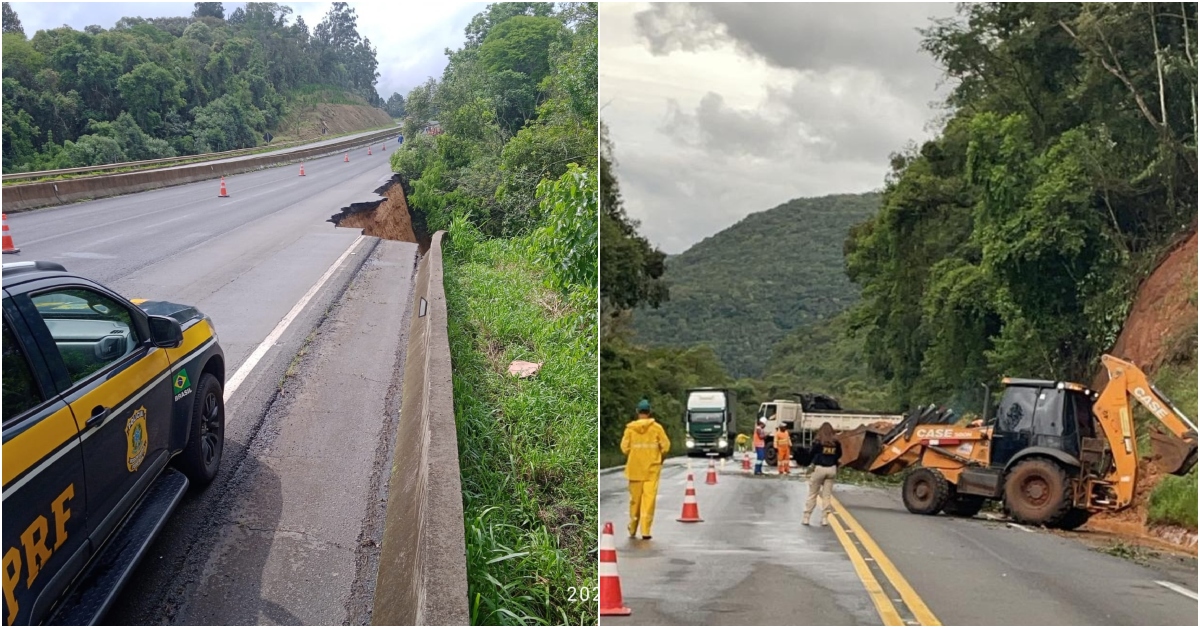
(746, 462)
(347, 159)
(691, 511)
(610, 583)
(302, 168)
(223, 193)
(8, 243)
(368, 150)
(712, 473)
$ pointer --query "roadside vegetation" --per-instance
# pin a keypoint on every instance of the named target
(511, 176)
(173, 86)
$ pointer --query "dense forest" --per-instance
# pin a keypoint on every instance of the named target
(1009, 244)
(512, 178)
(1012, 242)
(743, 289)
(516, 104)
(161, 87)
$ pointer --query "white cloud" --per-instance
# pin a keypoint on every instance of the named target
(717, 111)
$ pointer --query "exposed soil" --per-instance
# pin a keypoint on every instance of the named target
(388, 218)
(307, 121)
(1161, 322)
(1163, 313)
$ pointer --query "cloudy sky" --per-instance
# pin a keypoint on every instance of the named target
(720, 110)
(411, 37)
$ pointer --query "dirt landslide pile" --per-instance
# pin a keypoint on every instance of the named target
(1161, 320)
(308, 120)
(388, 218)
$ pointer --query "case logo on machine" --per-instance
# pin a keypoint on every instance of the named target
(183, 385)
(137, 439)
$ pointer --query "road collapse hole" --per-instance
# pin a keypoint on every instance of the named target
(388, 218)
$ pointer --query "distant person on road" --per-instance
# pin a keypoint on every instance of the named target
(645, 443)
(826, 451)
(760, 445)
(783, 449)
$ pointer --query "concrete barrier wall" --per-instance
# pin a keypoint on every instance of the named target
(423, 562)
(33, 195)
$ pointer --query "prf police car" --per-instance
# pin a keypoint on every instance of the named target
(110, 411)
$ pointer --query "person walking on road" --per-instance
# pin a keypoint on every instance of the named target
(760, 445)
(644, 445)
(826, 451)
(783, 447)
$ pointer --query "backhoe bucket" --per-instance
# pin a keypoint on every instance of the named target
(1173, 455)
(861, 445)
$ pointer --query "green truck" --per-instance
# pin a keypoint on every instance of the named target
(710, 421)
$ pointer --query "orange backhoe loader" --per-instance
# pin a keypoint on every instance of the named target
(1054, 453)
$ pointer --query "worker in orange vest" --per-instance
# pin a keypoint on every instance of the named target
(783, 447)
(760, 445)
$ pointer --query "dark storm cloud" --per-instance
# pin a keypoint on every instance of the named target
(720, 110)
(804, 36)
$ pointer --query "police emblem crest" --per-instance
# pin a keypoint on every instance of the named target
(137, 439)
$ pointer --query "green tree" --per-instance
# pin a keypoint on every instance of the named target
(395, 105)
(150, 92)
(12, 23)
(209, 9)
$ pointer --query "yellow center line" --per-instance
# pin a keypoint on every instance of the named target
(887, 610)
(913, 601)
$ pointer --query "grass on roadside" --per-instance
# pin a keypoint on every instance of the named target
(527, 447)
(1173, 500)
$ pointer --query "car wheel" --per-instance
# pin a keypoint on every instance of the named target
(201, 457)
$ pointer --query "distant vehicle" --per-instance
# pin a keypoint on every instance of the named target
(112, 408)
(802, 419)
(710, 420)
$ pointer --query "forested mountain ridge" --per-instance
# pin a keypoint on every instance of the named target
(743, 289)
(162, 87)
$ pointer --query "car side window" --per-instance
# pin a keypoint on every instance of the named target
(90, 329)
(20, 390)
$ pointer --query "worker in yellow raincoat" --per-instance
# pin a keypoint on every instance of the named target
(645, 443)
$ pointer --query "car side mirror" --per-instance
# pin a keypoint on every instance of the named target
(165, 332)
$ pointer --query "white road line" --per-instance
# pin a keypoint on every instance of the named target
(244, 370)
(1176, 588)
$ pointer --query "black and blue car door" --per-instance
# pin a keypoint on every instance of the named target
(45, 514)
(118, 387)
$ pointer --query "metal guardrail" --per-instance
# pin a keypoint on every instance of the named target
(189, 159)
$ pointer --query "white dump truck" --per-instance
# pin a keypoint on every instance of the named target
(802, 418)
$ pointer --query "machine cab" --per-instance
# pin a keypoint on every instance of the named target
(1041, 413)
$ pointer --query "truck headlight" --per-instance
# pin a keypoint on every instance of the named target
(691, 443)
(723, 443)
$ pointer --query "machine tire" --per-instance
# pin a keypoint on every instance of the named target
(1073, 518)
(926, 491)
(964, 505)
(1037, 492)
(802, 456)
(201, 457)
(771, 457)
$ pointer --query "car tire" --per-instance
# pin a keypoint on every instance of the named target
(926, 491)
(201, 457)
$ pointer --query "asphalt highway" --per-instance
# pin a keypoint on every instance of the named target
(751, 562)
(312, 320)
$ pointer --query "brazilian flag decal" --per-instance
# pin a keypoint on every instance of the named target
(182, 382)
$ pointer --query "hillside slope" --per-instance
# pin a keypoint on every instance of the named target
(743, 289)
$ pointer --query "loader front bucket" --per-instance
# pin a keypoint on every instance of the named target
(861, 445)
(1176, 456)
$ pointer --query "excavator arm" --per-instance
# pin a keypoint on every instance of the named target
(1175, 453)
